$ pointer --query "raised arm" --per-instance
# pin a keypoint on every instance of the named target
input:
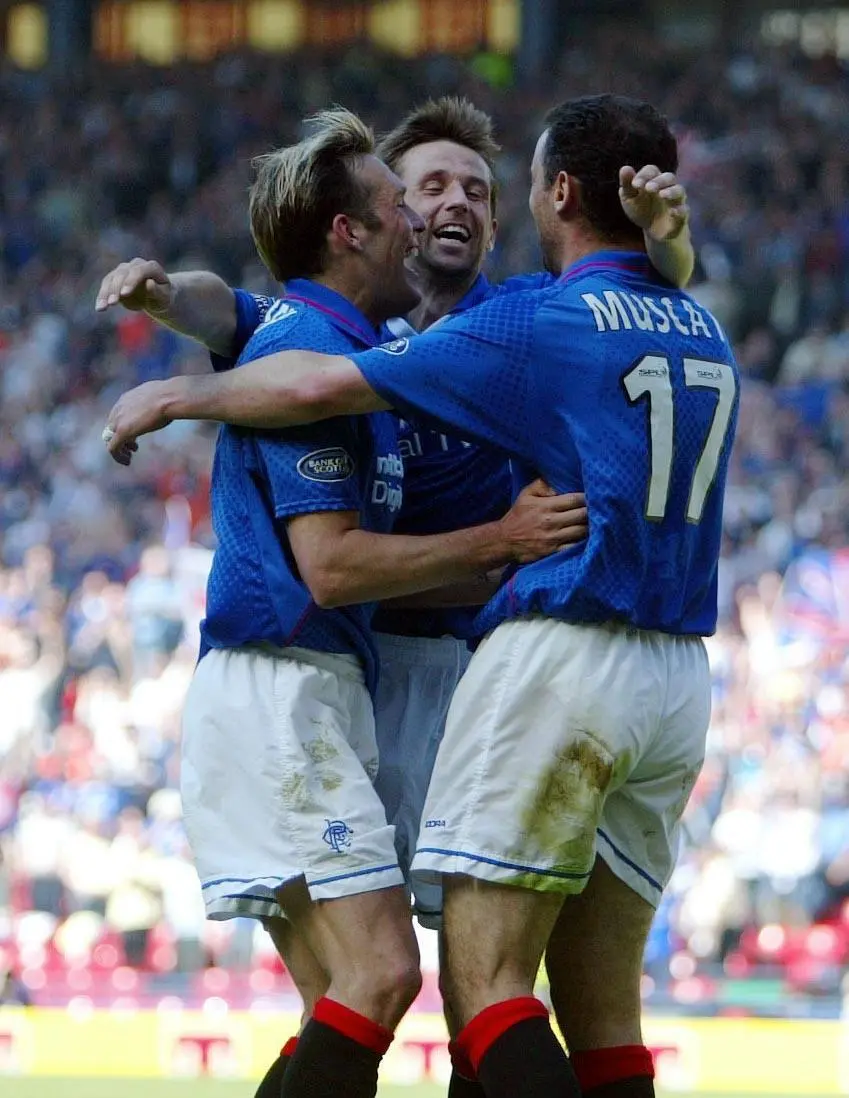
(197, 304)
(657, 202)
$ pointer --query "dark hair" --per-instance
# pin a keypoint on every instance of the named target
(300, 189)
(591, 138)
(448, 118)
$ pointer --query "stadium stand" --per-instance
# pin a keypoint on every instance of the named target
(102, 570)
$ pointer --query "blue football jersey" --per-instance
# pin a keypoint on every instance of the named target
(261, 479)
(611, 381)
(449, 483)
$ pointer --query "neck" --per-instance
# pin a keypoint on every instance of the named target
(580, 244)
(440, 293)
(355, 289)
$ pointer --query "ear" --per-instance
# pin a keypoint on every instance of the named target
(346, 231)
(564, 192)
(492, 234)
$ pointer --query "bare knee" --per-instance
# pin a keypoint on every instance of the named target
(594, 963)
(367, 945)
(494, 940)
(385, 984)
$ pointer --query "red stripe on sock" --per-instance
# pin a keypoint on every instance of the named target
(289, 1048)
(485, 1028)
(356, 1026)
(461, 1063)
(600, 1066)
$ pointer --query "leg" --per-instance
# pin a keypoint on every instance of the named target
(301, 831)
(517, 793)
(311, 981)
(367, 946)
(595, 955)
(464, 1081)
(307, 972)
(494, 940)
(594, 962)
(418, 677)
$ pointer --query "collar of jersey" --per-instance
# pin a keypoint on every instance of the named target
(337, 309)
(477, 292)
(612, 260)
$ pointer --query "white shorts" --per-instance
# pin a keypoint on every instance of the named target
(418, 677)
(278, 759)
(563, 741)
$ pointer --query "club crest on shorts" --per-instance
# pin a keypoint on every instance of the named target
(330, 465)
(337, 835)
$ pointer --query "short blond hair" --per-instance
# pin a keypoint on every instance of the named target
(449, 118)
(299, 190)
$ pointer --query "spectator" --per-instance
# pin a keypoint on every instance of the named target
(102, 571)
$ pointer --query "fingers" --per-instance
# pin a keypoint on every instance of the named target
(569, 501)
(122, 450)
(127, 278)
(537, 487)
(651, 179)
(574, 534)
(110, 287)
(626, 180)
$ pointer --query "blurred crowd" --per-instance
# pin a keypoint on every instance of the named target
(102, 569)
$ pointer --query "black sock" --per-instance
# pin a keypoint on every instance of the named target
(527, 1061)
(273, 1079)
(328, 1063)
(461, 1087)
(637, 1086)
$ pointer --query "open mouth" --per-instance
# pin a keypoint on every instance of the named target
(452, 231)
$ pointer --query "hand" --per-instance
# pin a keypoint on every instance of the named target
(654, 200)
(541, 522)
(138, 412)
(140, 285)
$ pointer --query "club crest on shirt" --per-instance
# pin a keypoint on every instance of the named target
(396, 347)
(330, 465)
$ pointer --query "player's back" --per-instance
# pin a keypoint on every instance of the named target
(636, 398)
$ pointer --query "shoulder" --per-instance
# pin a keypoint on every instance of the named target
(499, 308)
(538, 280)
(285, 326)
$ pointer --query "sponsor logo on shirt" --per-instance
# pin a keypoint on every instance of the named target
(330, 465)
(396, 347)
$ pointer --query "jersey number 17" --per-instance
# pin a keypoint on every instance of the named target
(650, 379)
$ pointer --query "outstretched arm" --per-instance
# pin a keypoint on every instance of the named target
(197, 304)
(285, 389)
(657, 202)
(296, 387)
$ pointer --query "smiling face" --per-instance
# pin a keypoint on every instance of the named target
(450, 187)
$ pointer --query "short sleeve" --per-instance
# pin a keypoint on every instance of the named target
(251, 311)
(311, 469)
(470, 373)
